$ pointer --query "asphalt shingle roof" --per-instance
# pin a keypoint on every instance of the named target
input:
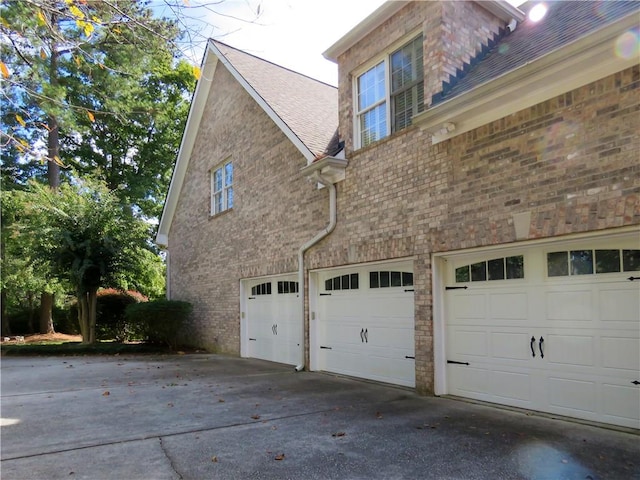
(308, 107)
(564, 22)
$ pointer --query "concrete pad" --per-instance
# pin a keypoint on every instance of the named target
(209, 416)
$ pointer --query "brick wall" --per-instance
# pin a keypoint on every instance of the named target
(571, 161)
(453, 34)
(274, 208)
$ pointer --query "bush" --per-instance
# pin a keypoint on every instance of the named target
(162, 319)
(111, 323)
(65, 320)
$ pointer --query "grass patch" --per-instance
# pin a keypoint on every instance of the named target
(53, 348)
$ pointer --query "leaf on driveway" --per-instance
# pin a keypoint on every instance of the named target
(378, 415)
(106, 393)
(280, 456)
(338, 434)
(221, 400)
(214, 459)
(255, 417)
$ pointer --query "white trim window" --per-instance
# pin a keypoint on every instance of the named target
(222, 188)
(398, 81)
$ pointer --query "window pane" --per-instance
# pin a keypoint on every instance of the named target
(373, 280)
(407, 279)
(557, 265)
(479, 272)
(385, 279)
(269, 288)
(345, 282)
(581, 262)
(336, 283)
(496, 269)
(217, 202)
(607, 261)
(631, 260)
(396, 279)
(228, 173)
(371, 87)
(328, 284)
(373, 125)
(230, 197)
(217, 180)
(515, 267)
(354, 281)
(462, 274)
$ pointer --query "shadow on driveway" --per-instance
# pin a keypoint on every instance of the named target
(209, 416)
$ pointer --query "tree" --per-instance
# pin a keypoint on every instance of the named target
(88, 239)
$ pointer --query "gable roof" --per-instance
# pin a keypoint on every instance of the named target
(564, 22)
(306, 110)
(576, 43)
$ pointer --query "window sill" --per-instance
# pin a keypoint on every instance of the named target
(220, 214)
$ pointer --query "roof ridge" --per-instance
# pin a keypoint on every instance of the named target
(272, 63)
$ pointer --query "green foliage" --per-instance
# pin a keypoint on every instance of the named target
(162, 319)
(111, 323)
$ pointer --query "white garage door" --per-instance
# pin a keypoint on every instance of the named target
(365, 323)
(552, 328)
(272, 311)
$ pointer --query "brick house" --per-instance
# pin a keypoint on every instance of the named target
(461, 216)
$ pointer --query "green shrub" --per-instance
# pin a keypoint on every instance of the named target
(65, 320)
(111, 323)
(162, 319)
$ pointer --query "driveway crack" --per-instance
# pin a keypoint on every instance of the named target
(166, 454)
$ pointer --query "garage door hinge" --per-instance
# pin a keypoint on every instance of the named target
(457, 363)
(325, 348)
(456, 288)
(324, 294)
(252, 298)
(636, 382)
(633, 278)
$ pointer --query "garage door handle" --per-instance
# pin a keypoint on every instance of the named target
(633, 278)
(409, 290)
(457, 363)
(636, 382)
(325, 348)
(540, 347)
(252, 339)
(325, 294)
(411, 358)
(456, 288)
(533, 346)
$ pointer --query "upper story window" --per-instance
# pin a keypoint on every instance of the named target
(390, 93)
(222, 188)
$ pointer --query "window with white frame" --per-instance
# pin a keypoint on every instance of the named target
(222, 188)
(390, 93)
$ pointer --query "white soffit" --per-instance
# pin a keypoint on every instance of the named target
(577, 64)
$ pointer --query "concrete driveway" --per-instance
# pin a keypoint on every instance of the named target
(208, 416)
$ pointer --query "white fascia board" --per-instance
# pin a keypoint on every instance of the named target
(308, 155)
(503, 10)
(191, 128)
(577, 64)
(373, 21)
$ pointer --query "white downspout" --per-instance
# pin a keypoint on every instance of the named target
(319, 236)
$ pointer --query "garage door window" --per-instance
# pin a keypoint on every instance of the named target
(390, 279)
(343, 282)
(588, 262)
(505, 268)
(262, 289)
(287, 287)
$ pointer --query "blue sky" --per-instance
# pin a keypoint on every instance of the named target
(291, 33)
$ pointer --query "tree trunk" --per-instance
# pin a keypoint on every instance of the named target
(87, 313)
(83, 318)
(32, 309)
(93, 312)
(46, 309)
(6, 327)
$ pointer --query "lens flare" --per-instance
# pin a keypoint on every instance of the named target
(538, 12)
(628, 45)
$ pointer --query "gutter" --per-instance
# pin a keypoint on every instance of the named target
(317, 176)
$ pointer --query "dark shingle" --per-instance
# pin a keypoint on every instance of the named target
(564, 22)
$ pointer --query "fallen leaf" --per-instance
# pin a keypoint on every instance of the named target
(280, 456)
(255, 417)
(338, 434)
(214, 459)
(106, 393)
(221, 400)
(170, 404)
(378, 415)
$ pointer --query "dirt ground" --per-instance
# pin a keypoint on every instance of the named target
(39, 337)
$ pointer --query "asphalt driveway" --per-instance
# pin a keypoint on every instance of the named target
(209, 416)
